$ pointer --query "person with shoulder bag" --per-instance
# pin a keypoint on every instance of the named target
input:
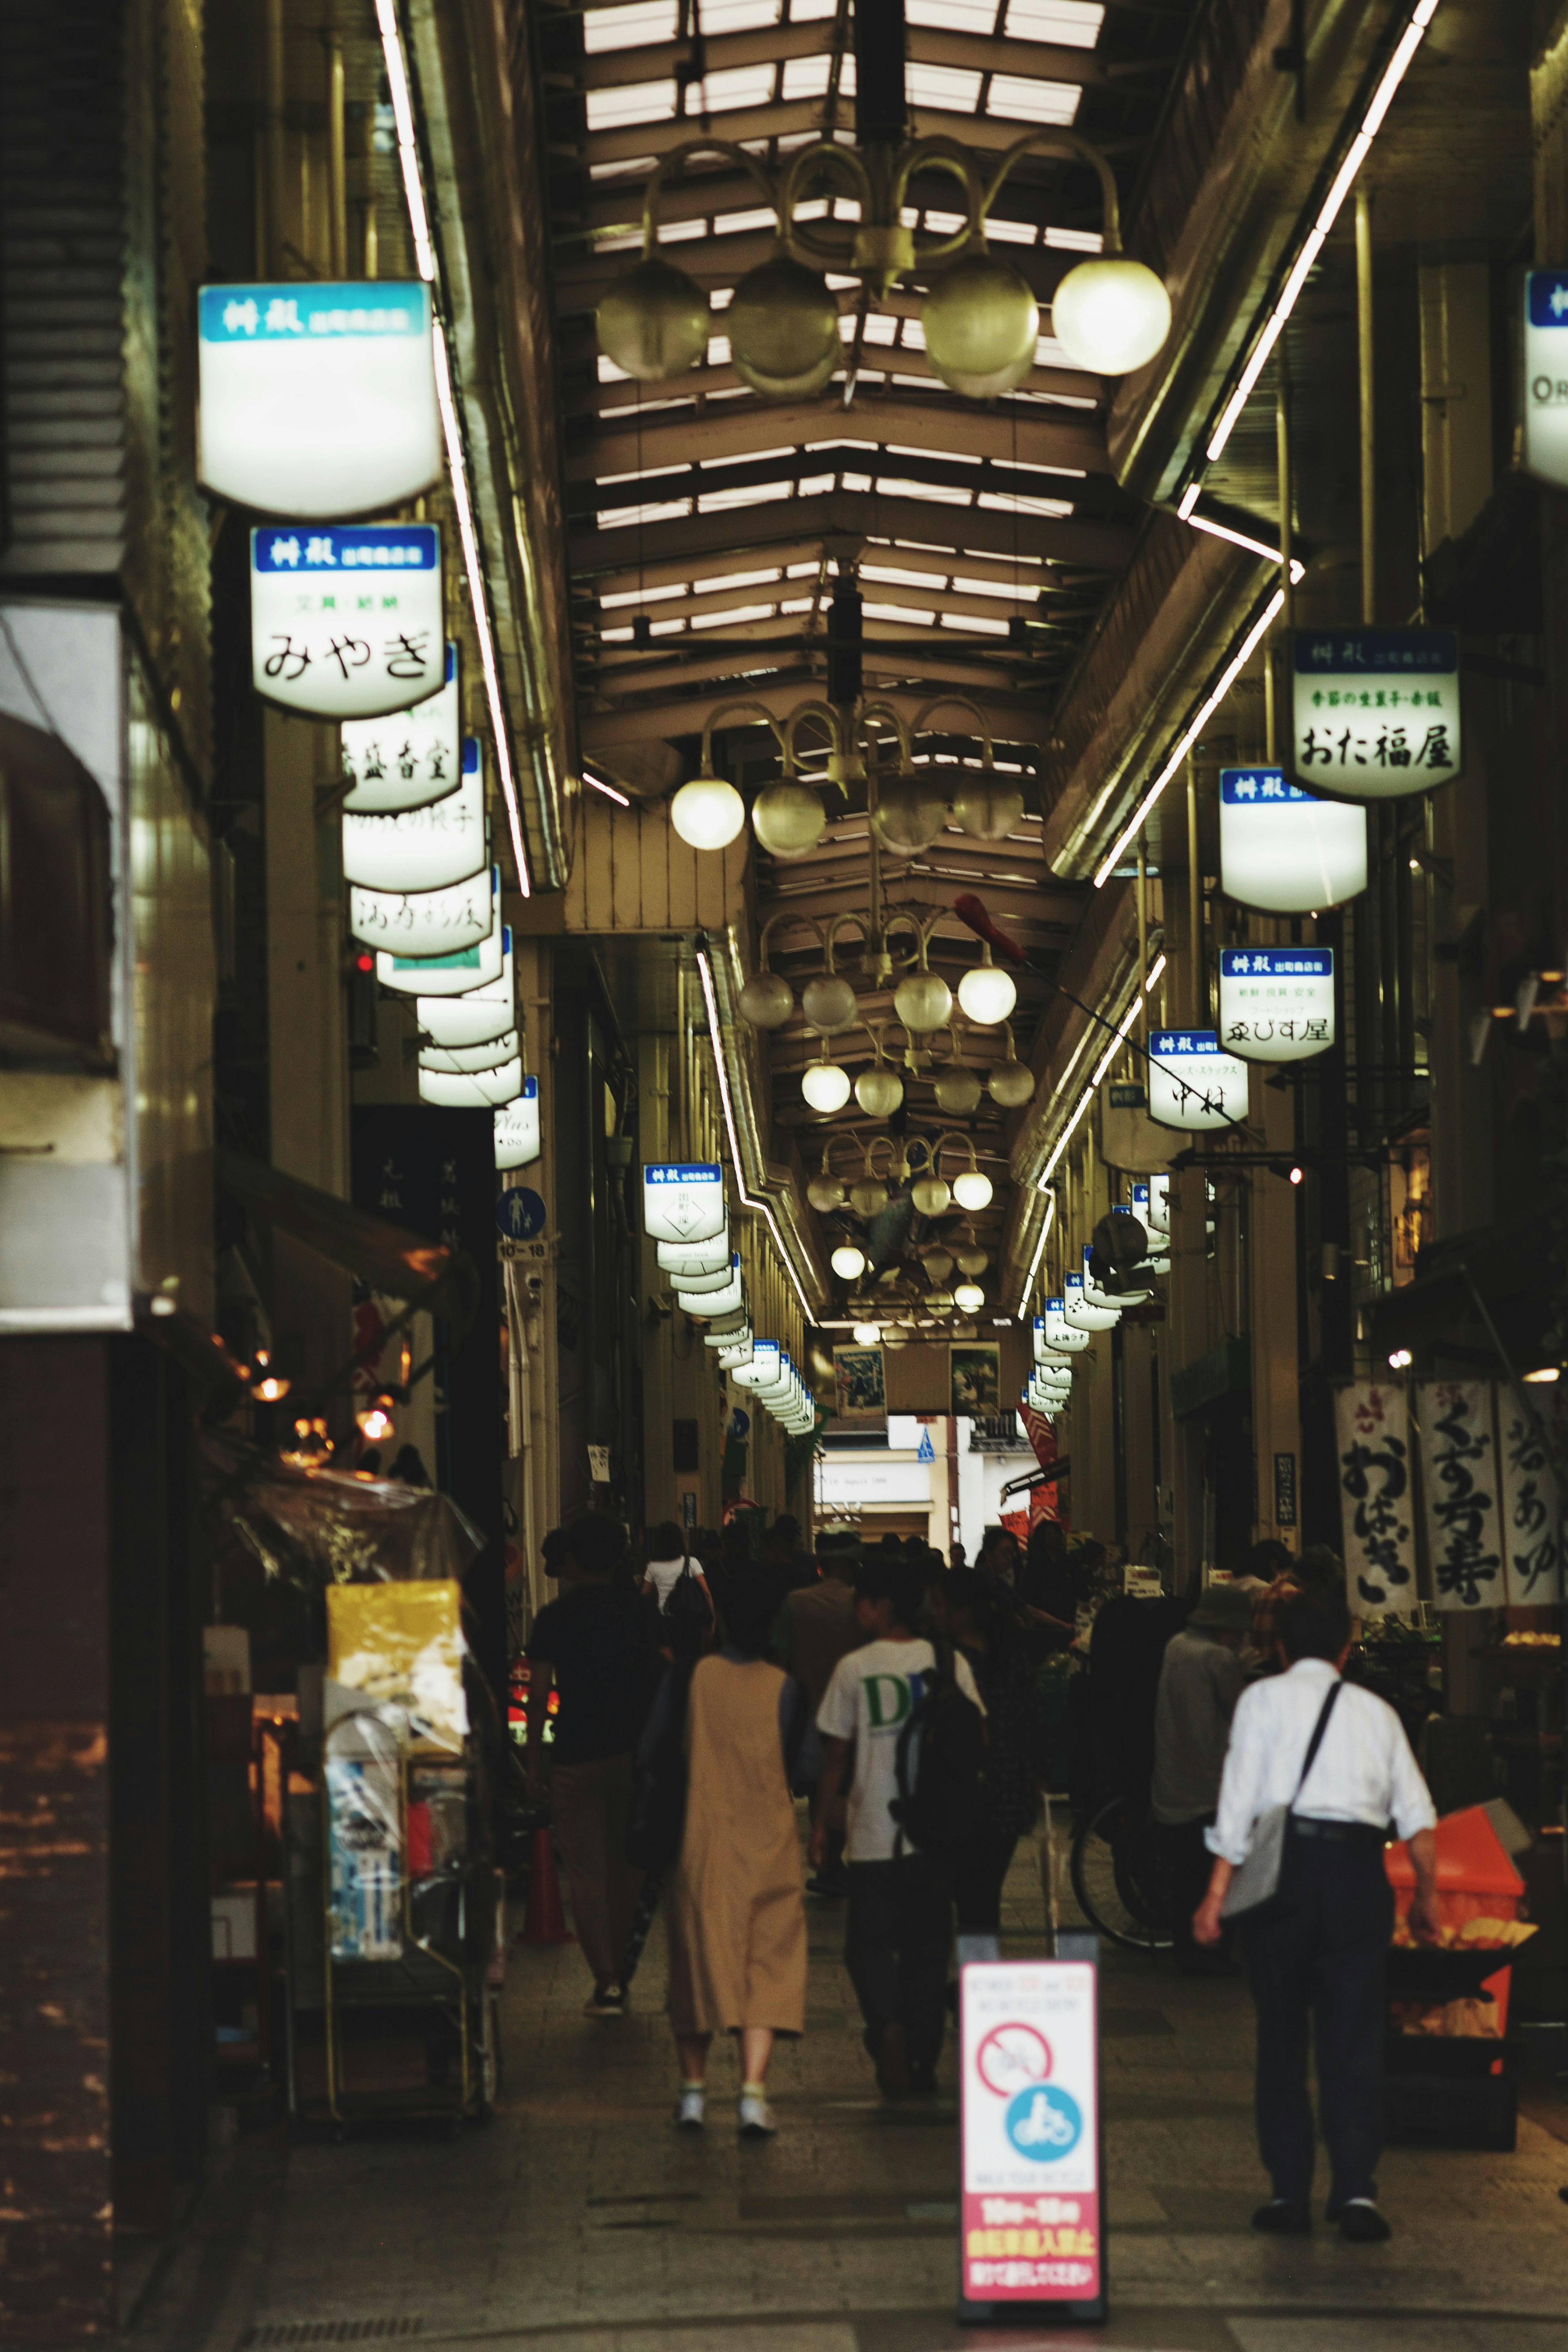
(679, 1590)
(1315, 1771)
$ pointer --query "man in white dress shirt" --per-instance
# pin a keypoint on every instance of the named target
(1317, 1950)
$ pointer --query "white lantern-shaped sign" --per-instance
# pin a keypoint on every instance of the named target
(739, 1339)
(316, 399)
(1151, 1206)
(1060, 1334)
(1192, 1083)
(425, 924)
(1118, 1299)
(689, 1285)
(762, 1372)
(1283, 850)
(683, 1201)
(1545, 376)
(471, 1089)
(732, 1358)
(347, 622)
(409, 762)
(1045, 1396)
(1080, 1314)
(1276, 1005)
(423, 848)
(477, 1015)
(506, 1048)
(704, 1306)
(1375, 713)
(458, 972)
(685, 1258)
(517, 1127)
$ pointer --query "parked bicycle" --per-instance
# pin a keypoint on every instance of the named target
(1119, 1875)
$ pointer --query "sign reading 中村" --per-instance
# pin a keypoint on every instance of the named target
(1276, 1005)
(317, 400)
(682, 1202)
(1031, 2217)
(455, 971)
(422, 848)
(421, 924)
(1192, 1083)
(1375, 712)
(471, 1089)
(517, 1129)
(1544, 450)
(347, 624)
(409, 761)
(1283, 850)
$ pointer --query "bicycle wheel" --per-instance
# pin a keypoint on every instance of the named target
(1114, 1877)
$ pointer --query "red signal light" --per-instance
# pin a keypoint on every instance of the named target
(364, 960)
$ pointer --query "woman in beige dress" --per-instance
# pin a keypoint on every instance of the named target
(736, 1911)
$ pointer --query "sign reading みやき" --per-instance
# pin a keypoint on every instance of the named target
(1031, 2217)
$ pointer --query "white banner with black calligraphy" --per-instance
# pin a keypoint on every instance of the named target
(1372, 1428)
(1459, 1491)
(1532, 1503)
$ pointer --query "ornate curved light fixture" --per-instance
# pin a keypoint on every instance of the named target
(879, 1091)
(767, 1001)
(987, 992)
(1010, 1083)
(980, 320)
(848, 1262)
(825, 1086)
(970, 1296)
(824, 1191)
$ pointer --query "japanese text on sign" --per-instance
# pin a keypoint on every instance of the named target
(1375, 711)
(1458, 1467)
(1373, 1453)
(1032, 2217)
(347, 624)
(1276, 1005)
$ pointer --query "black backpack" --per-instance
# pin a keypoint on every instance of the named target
(685, 1611)
(942, 1812)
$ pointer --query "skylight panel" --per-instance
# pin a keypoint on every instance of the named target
(670, 511)
(753, 458)
(941, 494)
(630, 27)
(639, 101)
(891, 577)
(815, 486)
(718, 350)
(732, 580)
(739, 15)
(856, 481)
(732, 223)
(642, 596)
(812, 12)
(609, 373)
(975, 621)
(802, 570)
(1006, 502)
(679, 232)
(796, 604)
(879, 327)
(1005, 589)
(955, 89)
(623, 242)
(1011, 232)
(1076, 240)
(732, 616)
(749, 493)
(739, 86)
(838, 443)
(954, 16)
(1019, 98)
(1075, 24)
(950, 457)
(806, 77)
(900, 613)
(946, 224)
(632, 167)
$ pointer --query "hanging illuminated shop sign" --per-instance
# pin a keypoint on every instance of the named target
(517, 1127)
(317, 400)
(1080, 1315)
(471, 1089)
(1283, 850)
(1192, 1083)
(739, 1339)
(1152, 1209)
(1048, 1356)
(682, 1202)
(707, 1306)
(683, 1258)
(423, 848)
(458, 972)
(478, 1014)
(458, 1058)
(422, 924)
(1276, 1005)
(762, 1372)
(409, 760)
(733, 1357)
(690, 1284)
(1375, 712)
(346, 624)
(1544, 446)
(1045, 1396)
(1060, 1334)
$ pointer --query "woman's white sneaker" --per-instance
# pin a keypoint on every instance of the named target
(689, 2114)
(755, 2116)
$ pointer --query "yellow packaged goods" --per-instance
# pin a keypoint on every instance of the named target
(401, 1644)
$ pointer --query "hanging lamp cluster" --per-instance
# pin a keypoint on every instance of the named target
(980, 320)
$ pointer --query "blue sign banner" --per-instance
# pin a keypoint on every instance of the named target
(1377, 653)
(1246, 787)
(1272, 963)
(351, 547)
(292, 312)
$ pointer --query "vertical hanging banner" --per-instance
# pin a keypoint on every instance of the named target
(347, 624)
(1193, 1083)
(1459, 1488)
(1283, 850)
(1276, 1005)
(1375, 712)
(1372, 1429)
(317, 400)
(410, 763)
(1532, 1507)
(1544, 376)
(1032, 2216)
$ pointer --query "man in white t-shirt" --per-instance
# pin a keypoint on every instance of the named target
(900, 1911)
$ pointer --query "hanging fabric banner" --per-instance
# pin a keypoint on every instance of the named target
(1276, 1005)
(1459, 1488)
(1372, 1429)
(1532, 1506)
(1283, 850)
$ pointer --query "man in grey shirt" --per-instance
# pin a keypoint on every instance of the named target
(1200, 1681)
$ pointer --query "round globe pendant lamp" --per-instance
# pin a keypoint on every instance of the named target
(655, 323)
(1111, 315)
(981, 325)
(825, 1086)
(987, 994)
(708, 813)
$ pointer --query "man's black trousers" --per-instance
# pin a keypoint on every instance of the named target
(897, 1941)
(1318, 1952)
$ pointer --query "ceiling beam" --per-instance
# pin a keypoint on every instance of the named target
(766, 45)
(615, 404)
(854, 517)
(944, 665)
(949, 600)
(686, 712)
(793, 117)
(1034, 576)
(937, 427)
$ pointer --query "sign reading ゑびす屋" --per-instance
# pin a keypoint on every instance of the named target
(1032, 2216)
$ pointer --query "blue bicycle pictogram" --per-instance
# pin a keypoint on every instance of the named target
(1044, 2123)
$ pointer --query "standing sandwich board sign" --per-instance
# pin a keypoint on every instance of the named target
(1032, 2203)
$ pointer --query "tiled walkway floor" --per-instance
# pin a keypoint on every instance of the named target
(580, 2218)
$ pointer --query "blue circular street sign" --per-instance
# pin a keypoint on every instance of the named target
(1044, 2123)
(520, 1214)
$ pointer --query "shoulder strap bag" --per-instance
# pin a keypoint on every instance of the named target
(1256, 1880)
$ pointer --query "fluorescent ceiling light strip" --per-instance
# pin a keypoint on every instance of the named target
(704, 971)
(608, 789)
(1240, 539)
(478, 599)
(1045, 1222)
(407, 146)
(1101, 1067)
(1140, 815)
(1382, 98)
